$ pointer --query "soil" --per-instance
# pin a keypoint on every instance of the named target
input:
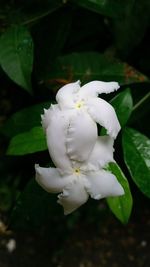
(86, 244)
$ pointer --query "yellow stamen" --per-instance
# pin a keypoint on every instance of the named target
(79, 104)
(77, 171)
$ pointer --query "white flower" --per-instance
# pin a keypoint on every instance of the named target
(82, 179)
(75, 148)
(73, 120)
(70, 135)
(73, 97)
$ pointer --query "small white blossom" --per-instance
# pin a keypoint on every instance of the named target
(11, 245)
(75, 148)
(143, 243)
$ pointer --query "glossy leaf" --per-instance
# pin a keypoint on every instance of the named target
(28, 142)
(136, 147)
(24, 120)
(92, 66)
(123, 105)
(112, 8)
(120, 206)
(16, 55)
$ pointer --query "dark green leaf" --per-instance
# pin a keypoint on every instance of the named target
(24, 120)
(16, 55)
(136, 147)
(120, 206)
(123, 105)
(92, 66)
(28, 142)
(112, 8)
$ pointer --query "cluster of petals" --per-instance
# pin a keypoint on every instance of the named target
(79, 154)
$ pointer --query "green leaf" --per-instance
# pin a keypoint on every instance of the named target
(28, 142)
(16, 55)
(120, 206)
(24, 120)
(136, 148)
(112, 8)
(89, 66)
(123, 105)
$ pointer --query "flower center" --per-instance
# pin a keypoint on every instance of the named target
(79, 104)
(77, 171)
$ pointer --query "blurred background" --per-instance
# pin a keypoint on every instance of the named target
(43, 46)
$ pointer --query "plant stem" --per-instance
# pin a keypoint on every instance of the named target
(40, 16)
(141, 101)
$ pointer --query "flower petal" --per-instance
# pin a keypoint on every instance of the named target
(94, 88)
(56, 134)
(104, 114)
(102, 153)
(81, 137)
(50, 179)
(48, 113)
(66, 94)
(103, 184)
(73, 196)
